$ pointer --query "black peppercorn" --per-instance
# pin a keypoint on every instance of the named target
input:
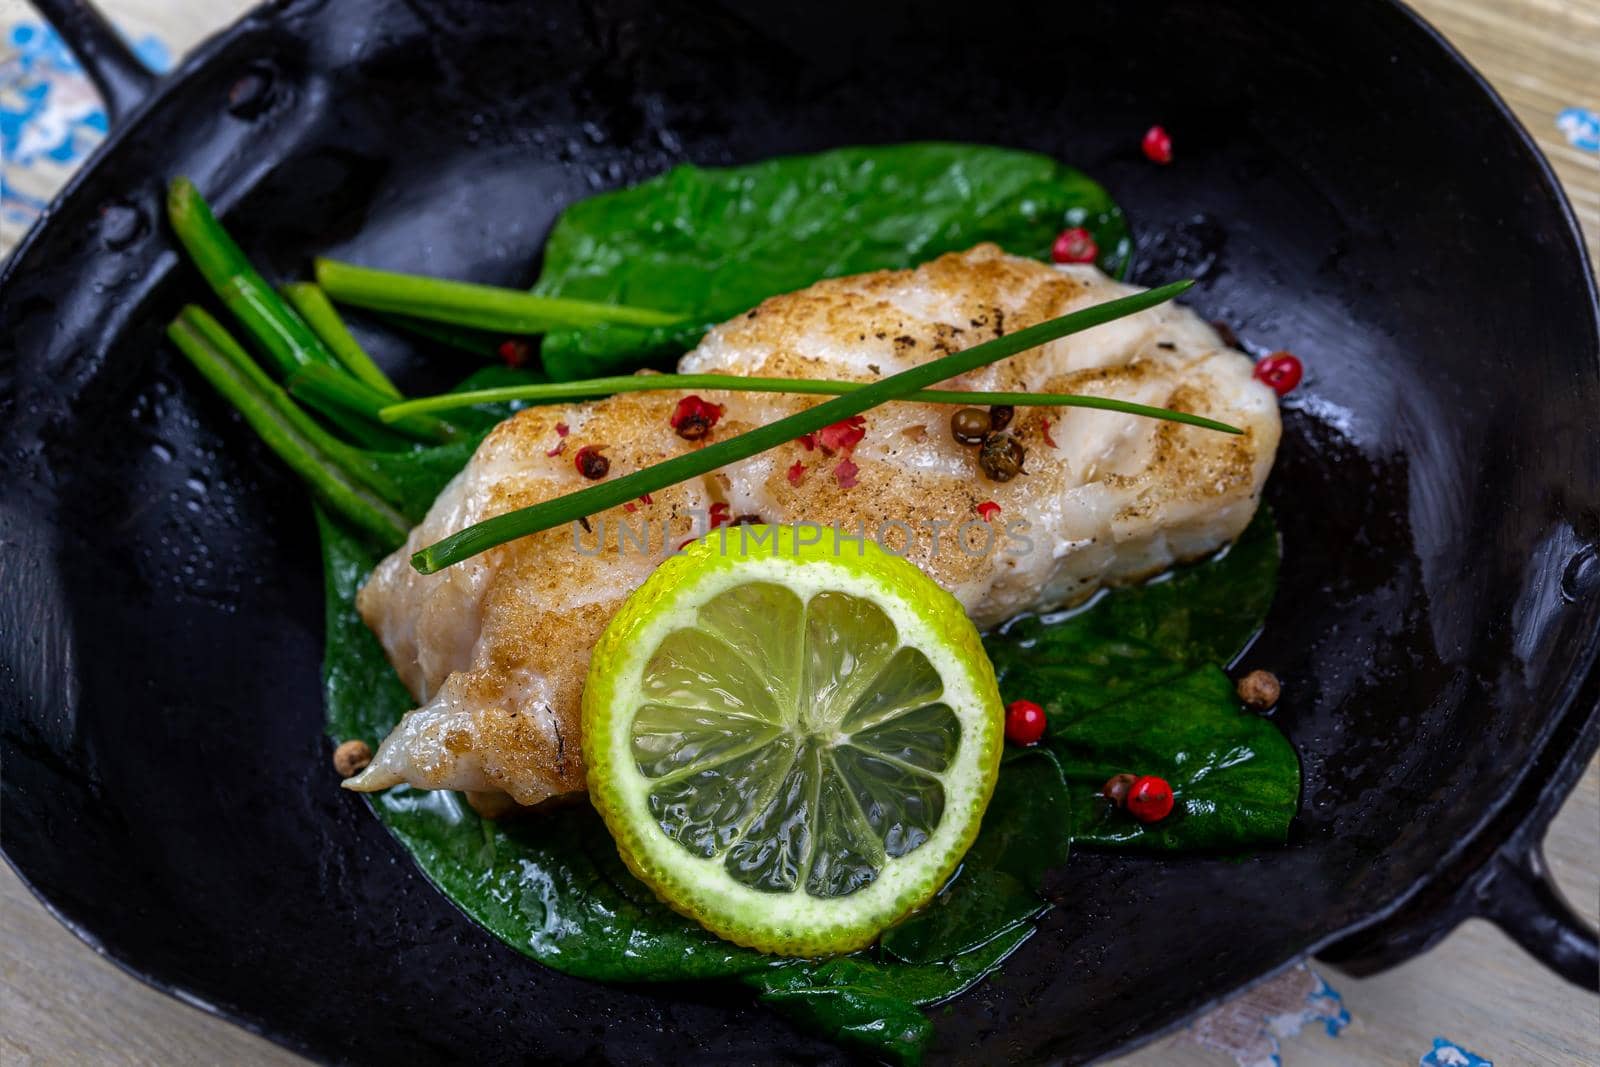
(1000, 416)
(969, 425)
(1000, 457)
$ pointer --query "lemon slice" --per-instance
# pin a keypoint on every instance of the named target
(792, 740)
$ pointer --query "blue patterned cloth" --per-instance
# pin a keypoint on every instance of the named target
(1447, 1053)
(1582, 127)
(50, 115)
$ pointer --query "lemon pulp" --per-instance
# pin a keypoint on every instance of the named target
(793, 745)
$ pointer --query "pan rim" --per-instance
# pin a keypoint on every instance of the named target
(1568, 712)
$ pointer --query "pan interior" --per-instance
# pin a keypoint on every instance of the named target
(167, 785)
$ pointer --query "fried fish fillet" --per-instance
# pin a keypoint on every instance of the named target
(495, 649)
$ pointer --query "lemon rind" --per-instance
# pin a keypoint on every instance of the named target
(924, 616)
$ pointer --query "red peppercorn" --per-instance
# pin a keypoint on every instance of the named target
(1149, 799)
(590, 463)
(1157, 145)
(843, 436)
(1074, 246)
(1280, 370)
(515, 351)
(694, 417)
(988, 510)
(1025, 722)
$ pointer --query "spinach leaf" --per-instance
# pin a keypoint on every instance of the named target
(362, 695)
(1026, 831)
(1132, 684)
(858, 1001)
(712, 243)
(1235, 779)
(420, 474)
(552, 885)
(1129, 639)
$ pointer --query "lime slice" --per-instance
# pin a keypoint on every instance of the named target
(792, 740)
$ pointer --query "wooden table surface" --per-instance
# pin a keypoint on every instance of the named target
(60, 1003)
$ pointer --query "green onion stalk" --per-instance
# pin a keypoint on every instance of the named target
(339, 475)
(283, 334)
(280, 331)
(323, 318)
(482, 307)
(325, 387)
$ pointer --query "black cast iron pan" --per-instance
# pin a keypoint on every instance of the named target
(1346, 186)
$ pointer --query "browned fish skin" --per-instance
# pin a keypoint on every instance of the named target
(496, 648)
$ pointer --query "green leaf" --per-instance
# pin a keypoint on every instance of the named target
(363, 696)
(859, 1001)
(1026, 831)
(1130, 639)
(1235, 779)
(886, 1024)
(420, 474)
(715, 242)
(552, 886)
(1131, 684)
(494, 376)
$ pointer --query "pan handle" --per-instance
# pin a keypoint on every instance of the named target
(1519, 896)
(122, 79)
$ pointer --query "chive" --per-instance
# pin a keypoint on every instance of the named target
(640, 383)
(280, 331)
(321, 460)
(356, 429)
(358, 464)
(462, 338)
(327, 386)
(218, 337)
(483, 307)
(320, 314)
(276, 327)
(485, 535)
